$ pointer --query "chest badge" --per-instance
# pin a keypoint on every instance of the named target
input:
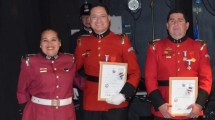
(86, 53)
(43, 70)
(168, 53)
(66, 69)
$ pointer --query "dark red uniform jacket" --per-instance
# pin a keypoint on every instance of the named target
(167, 59)
(90, 51)
(47, 79)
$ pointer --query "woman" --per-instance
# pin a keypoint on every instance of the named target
(46, 80)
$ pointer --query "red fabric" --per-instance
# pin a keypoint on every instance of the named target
(90, 51)
(167, 61)
(40, 79)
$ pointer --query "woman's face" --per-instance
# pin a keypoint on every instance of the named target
(50, 43)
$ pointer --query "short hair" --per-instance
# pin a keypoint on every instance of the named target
(100, 5)
(177, 11)
(51, 29)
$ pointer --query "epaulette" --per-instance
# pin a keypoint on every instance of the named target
(27, 58)
(85, 35)
(122, 39)
(203, 44)
(72, 55)
(152, 43)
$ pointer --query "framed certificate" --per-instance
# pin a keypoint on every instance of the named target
(112, 78)
(182, 93)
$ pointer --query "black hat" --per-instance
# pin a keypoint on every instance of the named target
(85, 9)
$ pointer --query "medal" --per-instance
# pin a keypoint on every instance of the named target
(188, 64)
(193, 60)
(106, 58)
(185, 55)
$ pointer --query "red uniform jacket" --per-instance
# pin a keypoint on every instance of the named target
(47, 79)
(90, 51)
(166, 59)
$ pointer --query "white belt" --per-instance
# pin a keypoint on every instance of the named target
(52, 102)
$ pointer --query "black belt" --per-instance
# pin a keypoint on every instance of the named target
(92, 78)
(163, 82)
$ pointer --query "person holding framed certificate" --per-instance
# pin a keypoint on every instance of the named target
(111, 58)
(182, 63)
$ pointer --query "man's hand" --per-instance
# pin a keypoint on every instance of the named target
(196, 110)
(164, 109)
(116, 99)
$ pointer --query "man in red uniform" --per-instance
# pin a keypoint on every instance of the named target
(104, 45)
(176, 56)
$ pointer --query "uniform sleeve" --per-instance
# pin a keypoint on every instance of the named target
(79, 81)
(22, 89)
(151, 78)
(129, 57)
(205, 77)
(78, 54)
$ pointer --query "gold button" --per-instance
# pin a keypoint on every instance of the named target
(99, 48)
(57, 77)
(178, 53)
(55, 68)
(56, 107)
(178, 69)
(99, 55)
(99, 41)
(57, 86)
(52, 61)
(178, 61)
(57, 97)
(178, 45)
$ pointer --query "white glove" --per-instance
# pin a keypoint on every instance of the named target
(76, 95)
(116, 99)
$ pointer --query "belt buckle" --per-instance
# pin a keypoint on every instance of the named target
(55, 103)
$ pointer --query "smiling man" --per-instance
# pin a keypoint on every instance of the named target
(104, 45)
(176, 56)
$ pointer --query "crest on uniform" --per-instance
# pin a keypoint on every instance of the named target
(86, 53)
(168, 53)
(43, 70)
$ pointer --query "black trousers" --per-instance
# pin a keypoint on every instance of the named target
(112, 114)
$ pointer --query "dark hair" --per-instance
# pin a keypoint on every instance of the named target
(177, 11)
(100, 5)
(51, 29)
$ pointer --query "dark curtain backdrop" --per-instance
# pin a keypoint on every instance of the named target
(20, 26)
(21, 22)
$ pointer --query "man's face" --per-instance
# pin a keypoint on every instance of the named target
(99, 20)
(177, 26)
(85, 20)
